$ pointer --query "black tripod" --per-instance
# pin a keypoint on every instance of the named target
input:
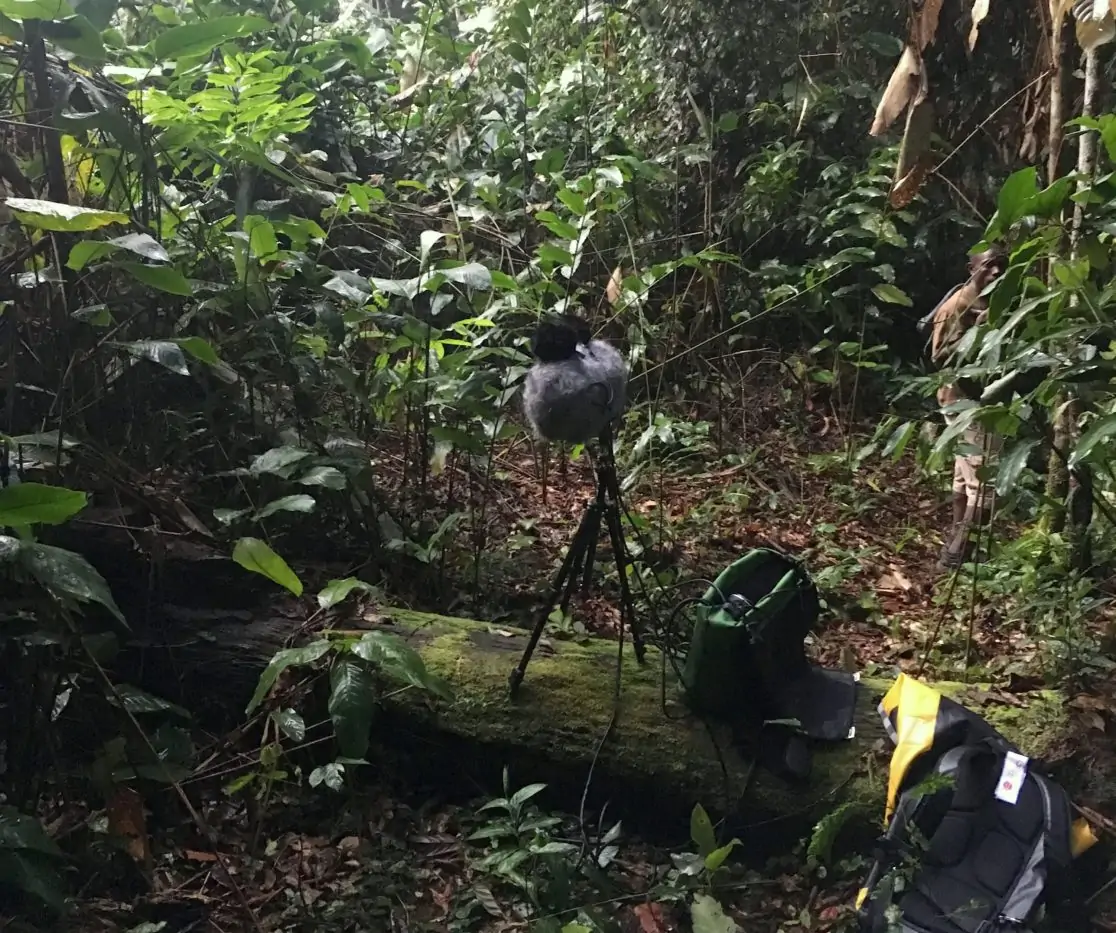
(579, 560)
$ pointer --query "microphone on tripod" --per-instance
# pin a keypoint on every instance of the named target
(577, 386)
(574, 391)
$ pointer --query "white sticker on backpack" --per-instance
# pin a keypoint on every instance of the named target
(1012, 776)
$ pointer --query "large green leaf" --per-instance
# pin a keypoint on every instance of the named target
(1012, 464)
(299, 502)
(701, 830)
(164, 278)
(1015, 197)
(288, 657)
(46, 10)
(1098, 433)
(327, 476)
(33, 874)
(471, 274)
(291, 724)
(200, 349)
(77, 35)
(36, 504)
(200, 38)
(277, 460)
(68, 576)
(142, 244)
(253, 554)
(167, 353)
(707, 916)
(352, 703)
(62, 218)
(337, 591)
(21, 831)
(397, 659)
(892, 294)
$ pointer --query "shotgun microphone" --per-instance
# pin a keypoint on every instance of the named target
(577, 386)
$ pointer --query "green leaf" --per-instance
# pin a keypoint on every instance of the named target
(352, 702)
(288, 657)
(253, 554)
(77, 35)
(36, 504)
(167, 353)
(94, 315)
(138, 702)
(1049, 201)
(707, 916)
(899, 440)
(199, 349)
(33, 875)
(327, 476)
(574, 201)
(701, 830)
(46, 10)
(299, 502)
(521, 796)
(84, 252)
(277, 460)
(471, 274)
(1012, 203)
(200, 38)
(337, 591)
(892, 295)
(716, 858)
(1098, 433)
(397, 659)
(330, 775)
(1012, 464)
(21, 831)
(556, 225)
(62, 218)
(291, 724)
(261, 237)
(68, 576)
(427, 241)
(164, 278)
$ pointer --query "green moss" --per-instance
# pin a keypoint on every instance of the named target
(566, 702)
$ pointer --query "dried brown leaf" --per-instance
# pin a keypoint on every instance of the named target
(1092, 30)
(901, 87)
(650, 917)
(980, 11)
(926, 27)
(614, 287)
(128, 822)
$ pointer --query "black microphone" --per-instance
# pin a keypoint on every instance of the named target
(577, 387)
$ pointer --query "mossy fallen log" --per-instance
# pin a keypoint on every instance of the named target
(654, 763)
(208, 629)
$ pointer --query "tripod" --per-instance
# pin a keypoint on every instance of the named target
(579, 560)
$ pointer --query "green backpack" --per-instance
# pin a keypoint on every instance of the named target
(747, 658)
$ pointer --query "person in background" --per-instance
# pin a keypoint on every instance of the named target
(962, 309)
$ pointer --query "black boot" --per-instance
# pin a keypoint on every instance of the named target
(956, 546)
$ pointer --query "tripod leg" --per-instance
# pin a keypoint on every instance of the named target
(627, 604)
(563, 586)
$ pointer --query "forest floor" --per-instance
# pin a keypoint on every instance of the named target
(382, 860)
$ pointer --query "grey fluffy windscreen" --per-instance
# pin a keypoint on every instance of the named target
(574, 400)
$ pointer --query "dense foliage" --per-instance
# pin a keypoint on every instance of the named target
(275, 265)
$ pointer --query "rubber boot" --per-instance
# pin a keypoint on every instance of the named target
(955, 547)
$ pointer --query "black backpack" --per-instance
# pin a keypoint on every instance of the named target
(959, 856)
